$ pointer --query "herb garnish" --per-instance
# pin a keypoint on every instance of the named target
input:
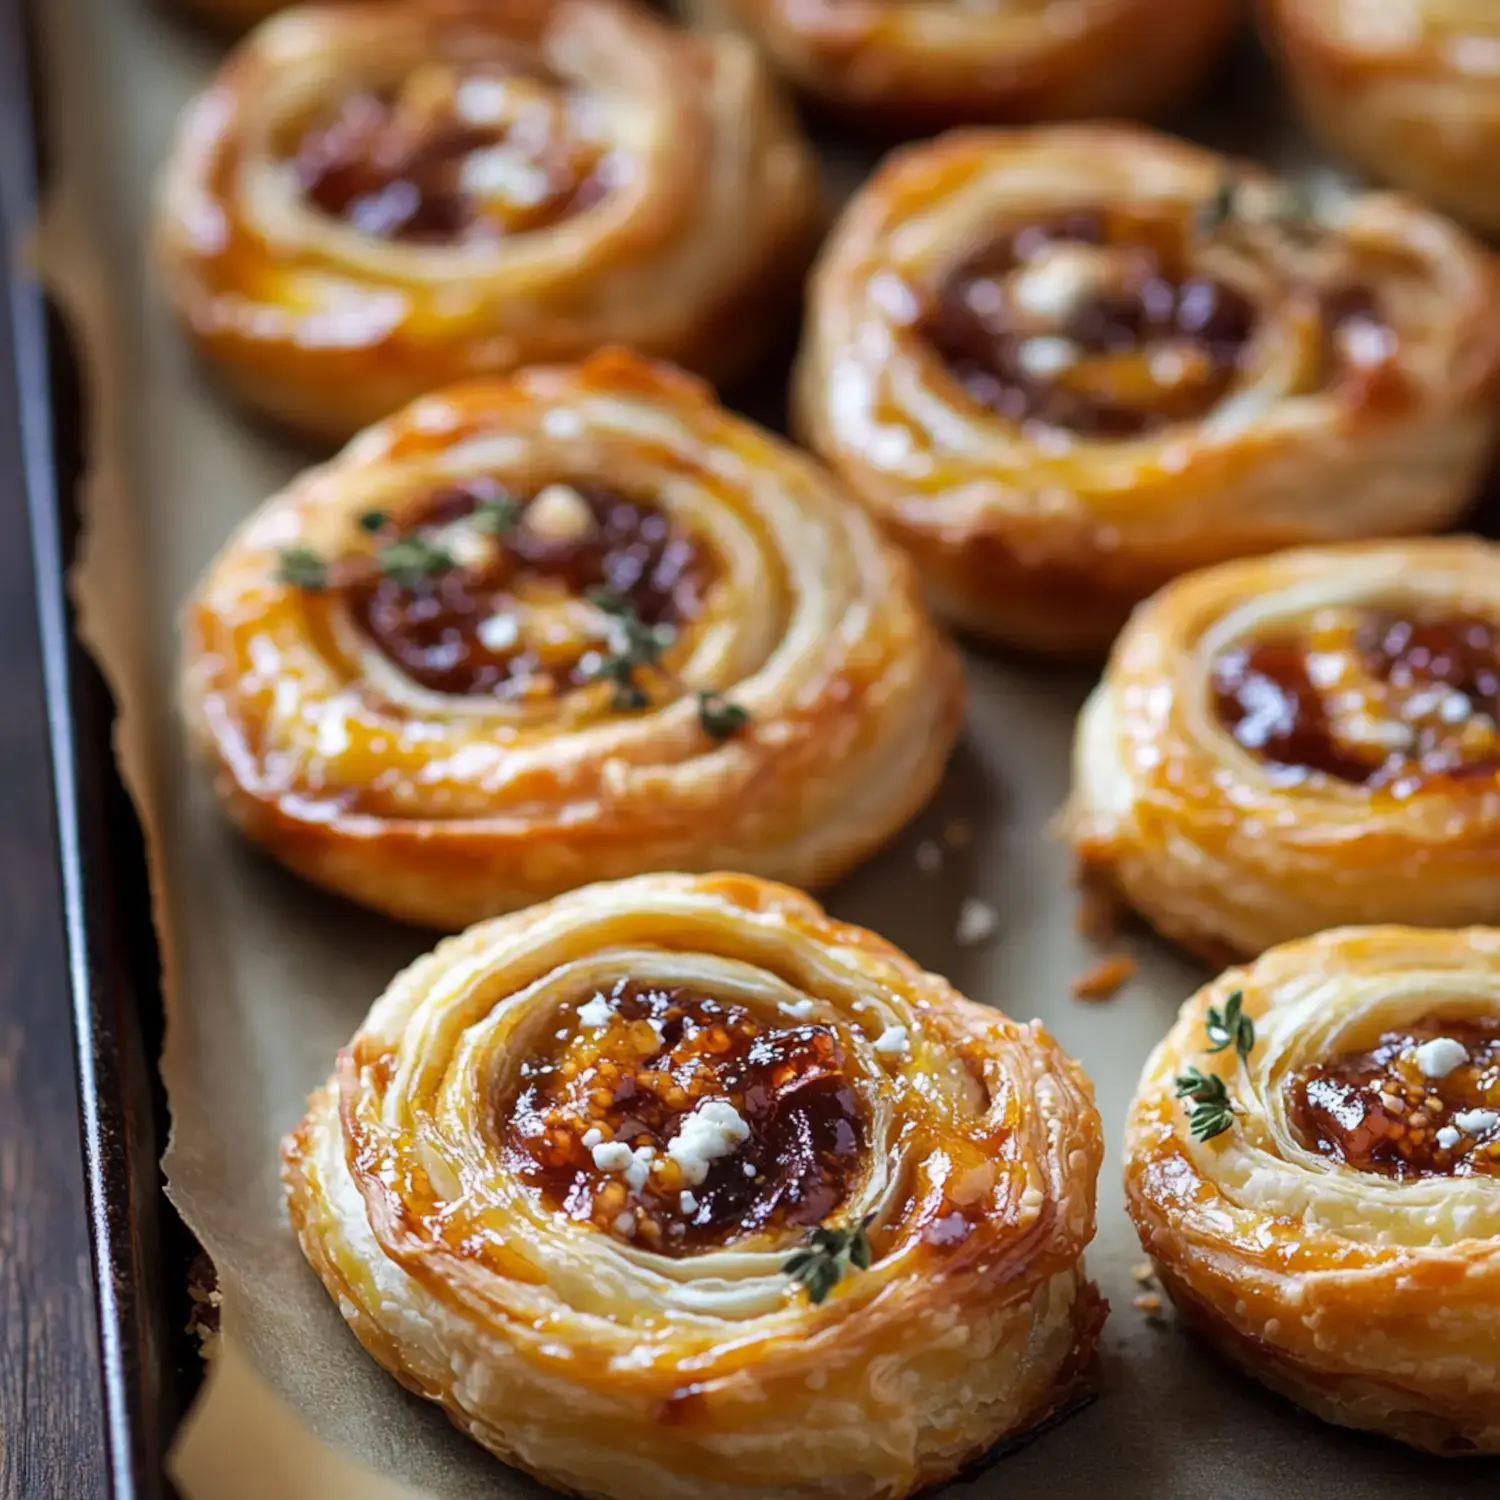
(496, 515)
(1231, 1026)
(412, 561)
(374, 521)
(1287, 205)
(719, 717)
(830, 1254)
(1213, 1113)
(301, 568)
(632, 645)
(1218, 210)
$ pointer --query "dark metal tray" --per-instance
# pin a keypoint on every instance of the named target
(141, 1251)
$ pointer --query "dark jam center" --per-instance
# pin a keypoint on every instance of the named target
(784, 1128)
(449, 157)
(1369, 697)
(1057, 324)
(513, 620)
(1378, 1110)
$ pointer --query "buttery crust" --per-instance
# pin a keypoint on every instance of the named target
(611, 1371)
(691, 254)
(898, 66)
(1372, 1301)
(1408, 90)
(1047, 539)
(1199, 835)
(441, 809)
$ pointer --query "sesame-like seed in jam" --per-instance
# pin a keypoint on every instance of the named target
(1380, 698)
(1376, 1110)
(660, 1055)
(441, 632)
(1097, 327)
(453, 156)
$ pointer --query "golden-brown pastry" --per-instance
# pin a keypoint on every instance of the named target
(1064, 365)
(903, 66)
(1313, 1163)
(1407, 89)
(570, 625)
(1302, 741)
(676, 1189)
(371, 201)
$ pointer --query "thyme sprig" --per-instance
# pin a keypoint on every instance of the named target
(633, 644)
(1212, 1113)
(1289, 206)
(720, 718)
(301, 568)
(1231, 1027)
(496, 515)
(413, 560)
(829, 1256)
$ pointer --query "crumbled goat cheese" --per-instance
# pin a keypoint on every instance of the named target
(713, 1130)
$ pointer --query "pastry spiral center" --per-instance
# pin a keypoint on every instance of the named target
(1424, 1102)
(1090, 325)
(1379, 698)
(452, 155)
(496, 599)
(680, 1122)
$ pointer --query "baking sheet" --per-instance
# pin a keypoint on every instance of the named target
(266, 977)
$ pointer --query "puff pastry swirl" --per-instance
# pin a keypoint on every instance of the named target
(570, 625)
(1407, 89)
(566, 1160)
(1302, 741)
(1064, 365)
(1340, 1239)
(371, 201)
(942, 62)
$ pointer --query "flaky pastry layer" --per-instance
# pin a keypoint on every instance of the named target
(1204, 837)
(441, 808)
(690, 249)
(609, 1370)
(1045, 537)
(1374, 1302)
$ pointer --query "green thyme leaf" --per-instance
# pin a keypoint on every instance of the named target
(1231, 1027)
(301, 568)
(830, 1255)
(1215, 212)
(374, 521)
(632, 645)
(497, 515)
(412, 561)
(719, 717)
(1213, 1112)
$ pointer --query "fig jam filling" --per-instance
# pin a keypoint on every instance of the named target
(1381, 699)
(1423, 1102)
(1095, 327)
(508, 613)
(680, 1122)
(454, 156)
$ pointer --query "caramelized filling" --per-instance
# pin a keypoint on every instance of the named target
(1373, 697)
(451, 157)
(681, 1122)
(510, 617)
(1064, 324)
(1409, 1106)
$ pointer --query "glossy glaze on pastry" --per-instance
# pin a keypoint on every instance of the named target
(371, 201)
(1408, 90)
(1064, 365)
(570, 625)
(1301, 741)
(1339, 1238)
(565, 1162)
(899, 65)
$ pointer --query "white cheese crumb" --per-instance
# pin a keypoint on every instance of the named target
(749, 1169)
(625, 1224)
(1448, 1137)
(1439, 1057)
(977, 920)
(480, 101)
(591, 1137)
(1476, 1121)
(713, 1130)
(500, 172)
(1045, 355)
(687, 1202)
(799, 1010)
(1057, 282)
(892, 1042)
(595, 1013)
(612, 1156)
(498, 632)
(1367, 344)
(559, 513)
(640, 1167)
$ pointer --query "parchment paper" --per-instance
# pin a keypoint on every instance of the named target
(266, 978)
